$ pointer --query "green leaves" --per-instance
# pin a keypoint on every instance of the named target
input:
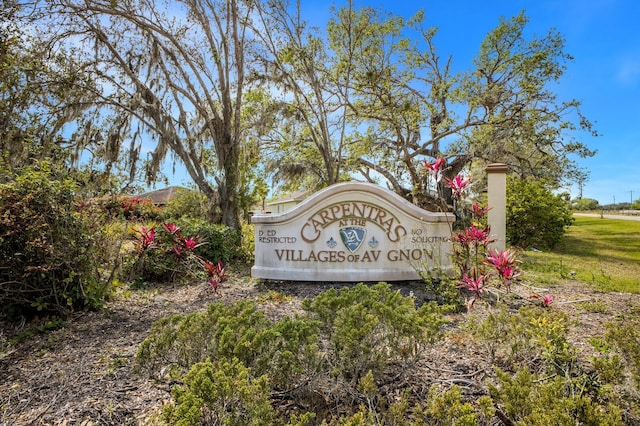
(221, 392)
(283, 349)
(372, 327)
(536, 217)
(525, 398)
(347, 338)
(51, 251)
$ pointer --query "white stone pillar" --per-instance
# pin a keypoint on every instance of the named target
(497, 201)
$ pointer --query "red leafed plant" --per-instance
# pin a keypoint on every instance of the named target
(435, 169)
(545, 299)
(481, 267)
(167, 254)
(145, 237)
(504, 262)
(458, 185)
(216, 272)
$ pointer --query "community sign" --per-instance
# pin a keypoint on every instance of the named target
(351, 232)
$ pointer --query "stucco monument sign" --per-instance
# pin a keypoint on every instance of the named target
(351, 232)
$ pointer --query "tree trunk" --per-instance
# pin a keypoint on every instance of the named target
(228, 194)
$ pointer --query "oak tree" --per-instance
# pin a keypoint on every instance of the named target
(502, 110)
(174, 77)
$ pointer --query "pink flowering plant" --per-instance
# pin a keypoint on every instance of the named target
(544, 300)
(164, 254)
(481, 269)
(435, 168)
(216, 274)
(504, 265)
(145, 238)
(458, 185)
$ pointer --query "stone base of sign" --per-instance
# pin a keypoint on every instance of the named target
(346, 276)
(351, 232)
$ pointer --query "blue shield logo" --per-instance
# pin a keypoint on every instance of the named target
(352, 237)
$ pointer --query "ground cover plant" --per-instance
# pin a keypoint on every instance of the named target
(365, 365)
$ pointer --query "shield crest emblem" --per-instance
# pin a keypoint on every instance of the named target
(352, 237)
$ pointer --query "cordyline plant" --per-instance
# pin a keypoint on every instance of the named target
(480, 266)
(178, 249)
(216, 274)
(145, 240)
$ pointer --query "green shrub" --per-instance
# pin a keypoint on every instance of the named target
(534, 336)
(178, 251)
(347, 336)
(617, 363)
(608, 365)
(624, 335)
(445, 408)
(536, 217)
(220, 393)
(219, 242)
(525, 398)
(285, 350)
(442, 408)
(445, 289)
(160, 255)
(372, 327)
(51, 251)
(186, 204)
(248, 249)
(585, 204)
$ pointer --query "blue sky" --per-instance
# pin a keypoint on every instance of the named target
(604, 75)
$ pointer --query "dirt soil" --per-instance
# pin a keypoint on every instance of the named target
(83, 373)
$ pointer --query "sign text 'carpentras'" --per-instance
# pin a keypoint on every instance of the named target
(353, 213)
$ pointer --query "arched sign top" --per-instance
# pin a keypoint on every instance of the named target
(355, 191)
(351, 232)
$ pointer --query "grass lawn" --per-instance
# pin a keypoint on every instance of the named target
(604, 253)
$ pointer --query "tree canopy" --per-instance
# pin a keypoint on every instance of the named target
(237, 90)
(414, 108)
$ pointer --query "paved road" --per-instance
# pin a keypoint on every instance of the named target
(609, 216)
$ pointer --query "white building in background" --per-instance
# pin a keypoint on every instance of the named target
(286, 203)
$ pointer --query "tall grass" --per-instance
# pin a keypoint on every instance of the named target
(604, 253)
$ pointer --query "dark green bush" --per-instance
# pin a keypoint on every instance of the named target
(219, 242)
(51, 251)
(536, 217)
(167, 257)
(221, 393)
(160, 255)
(142, 269)
(372, 327)
(284, 350)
